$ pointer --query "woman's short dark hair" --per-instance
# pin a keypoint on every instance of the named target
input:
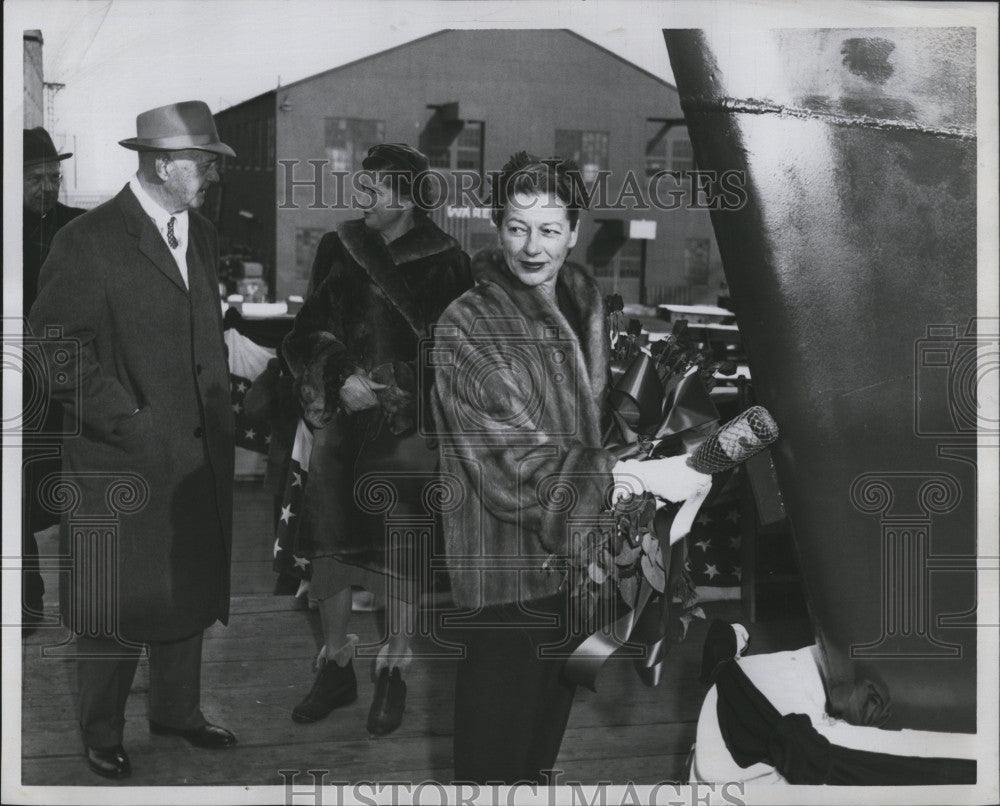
(528, 174)
(404, 166)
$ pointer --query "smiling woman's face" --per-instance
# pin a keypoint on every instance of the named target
(536, 236)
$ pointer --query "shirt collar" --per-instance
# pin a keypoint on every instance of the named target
(153, 209)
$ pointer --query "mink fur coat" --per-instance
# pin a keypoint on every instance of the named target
(369, 314)
(518, 402)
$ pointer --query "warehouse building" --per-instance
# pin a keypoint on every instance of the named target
(470, 99)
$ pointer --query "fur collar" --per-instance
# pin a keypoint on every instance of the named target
(424, 240)
(382, 260)
(489, 269)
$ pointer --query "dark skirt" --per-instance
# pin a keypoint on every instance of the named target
(365, 500)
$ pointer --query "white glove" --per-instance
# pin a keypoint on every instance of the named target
(358, 393)
(669, 478)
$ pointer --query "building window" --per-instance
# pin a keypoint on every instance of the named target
(464, 153)
(681, 155)
(696, 251)
(656, 146)
(469, 147)
(629, 258)
(589, 150)
(625, 263)
(348, 140)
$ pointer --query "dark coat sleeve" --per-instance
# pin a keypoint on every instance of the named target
(315, 349)
(71, 296)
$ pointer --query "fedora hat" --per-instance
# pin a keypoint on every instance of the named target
(176, 127)
(39, 148)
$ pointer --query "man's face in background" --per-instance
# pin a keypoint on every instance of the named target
(41, 187)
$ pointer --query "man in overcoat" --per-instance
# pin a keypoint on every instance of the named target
(42, 217)
(133, 283)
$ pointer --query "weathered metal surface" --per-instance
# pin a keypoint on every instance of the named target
(858, 240)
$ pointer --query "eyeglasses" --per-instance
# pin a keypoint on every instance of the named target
(202, 165)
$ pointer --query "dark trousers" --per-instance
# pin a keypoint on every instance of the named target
(32, 586)
(511, 704)
(35, 517)
(105, 675)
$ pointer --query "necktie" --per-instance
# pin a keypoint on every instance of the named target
(171, 238)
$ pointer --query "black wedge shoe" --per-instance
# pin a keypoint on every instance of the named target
(386, 713)
(334, 686)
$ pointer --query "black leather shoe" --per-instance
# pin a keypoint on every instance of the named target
(205, 736)
(386, 713)
(333, 687)
(111, 762)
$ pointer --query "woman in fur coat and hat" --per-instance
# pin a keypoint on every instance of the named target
(353, 354)
(518, 403)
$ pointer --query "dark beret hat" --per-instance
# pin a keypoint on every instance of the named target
(395, 156)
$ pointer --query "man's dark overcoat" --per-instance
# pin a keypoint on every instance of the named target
(151, 393)
(38, 234)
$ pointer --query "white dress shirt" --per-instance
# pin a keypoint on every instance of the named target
(161, 219)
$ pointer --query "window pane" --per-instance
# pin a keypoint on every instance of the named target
(471, 135)
(589, 150)
(681, 155)
(656, 146)
(439, 159)
(629, 258)
(568, 144)
(347, 141)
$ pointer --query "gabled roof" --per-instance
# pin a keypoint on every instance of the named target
(446, 31)
(367, 58)
(247, 101)
(622, 59)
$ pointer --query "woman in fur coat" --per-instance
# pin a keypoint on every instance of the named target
(518, 404)
(353, 354)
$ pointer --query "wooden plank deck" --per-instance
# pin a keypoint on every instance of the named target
(259, 666)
